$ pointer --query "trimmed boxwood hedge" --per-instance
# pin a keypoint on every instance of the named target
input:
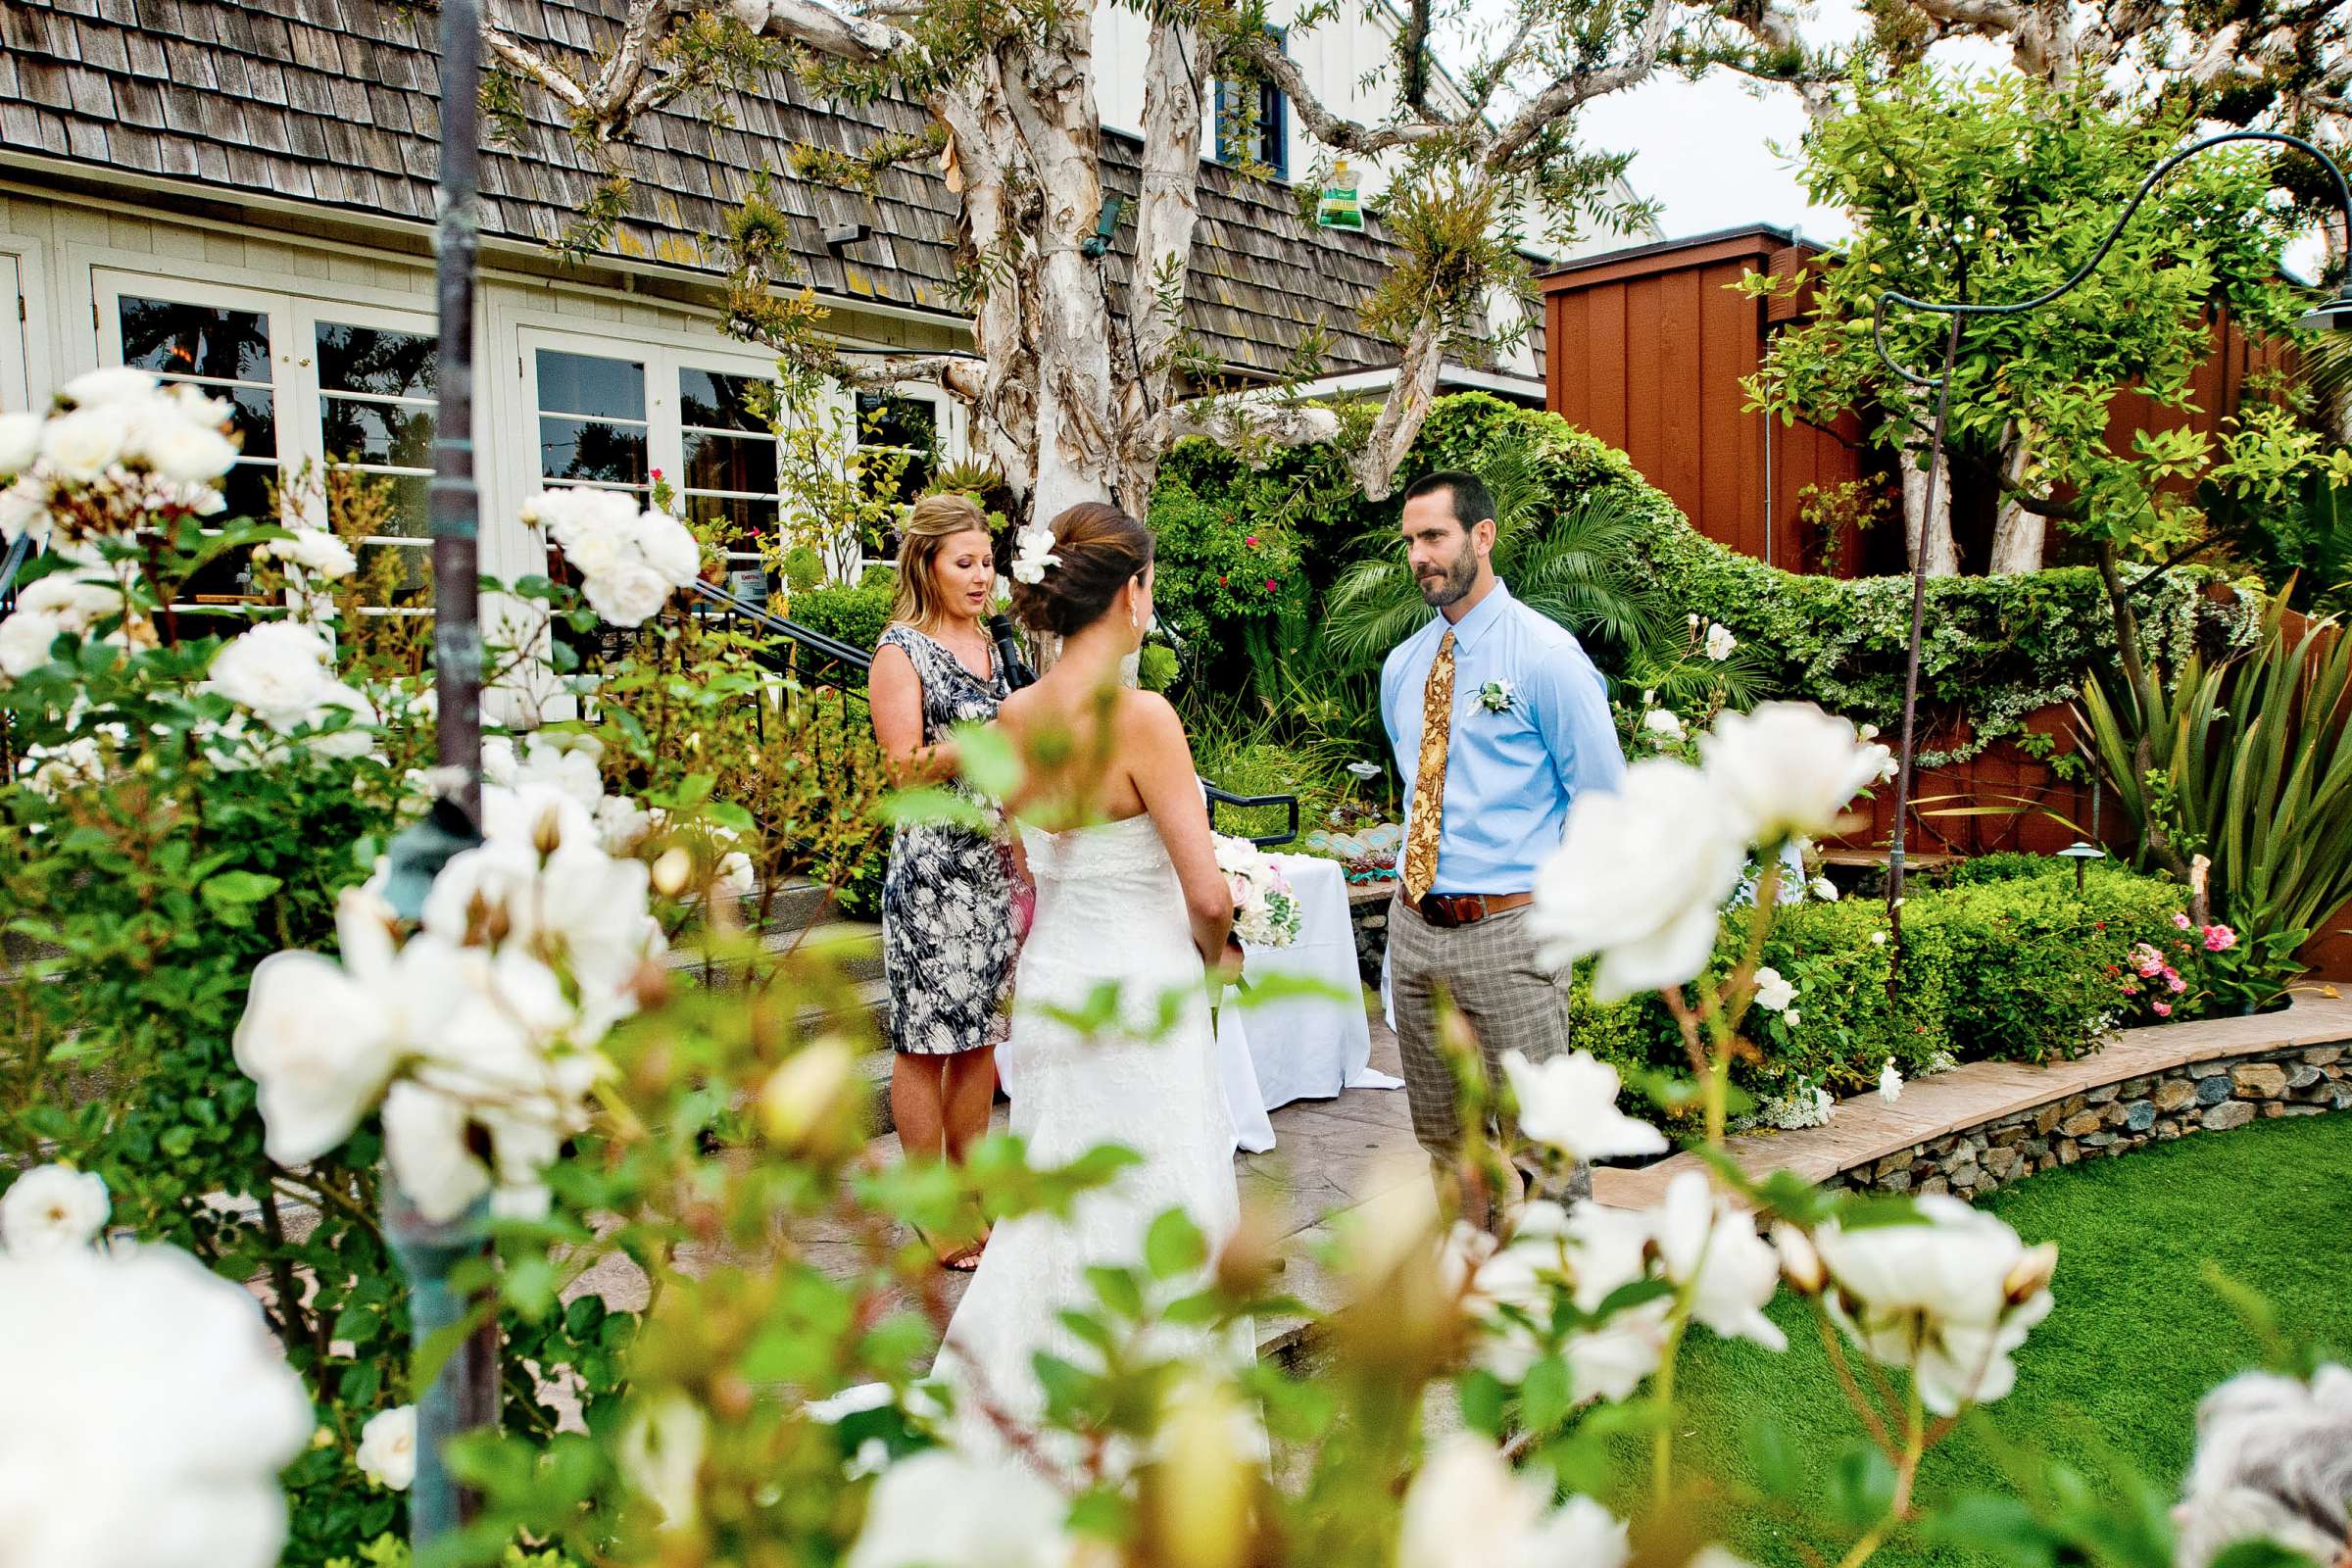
(2020, 968)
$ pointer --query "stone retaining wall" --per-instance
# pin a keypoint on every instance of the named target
(2200, 1096)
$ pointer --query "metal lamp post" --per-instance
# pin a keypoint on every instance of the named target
(2334, 316)
(2081, 853)
(463, 1395)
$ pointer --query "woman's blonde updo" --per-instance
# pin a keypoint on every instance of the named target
(930, 524)
(1099, 550)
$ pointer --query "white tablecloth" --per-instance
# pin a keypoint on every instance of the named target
(1310, 1047)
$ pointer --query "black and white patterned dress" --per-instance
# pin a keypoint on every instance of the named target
(946, 903)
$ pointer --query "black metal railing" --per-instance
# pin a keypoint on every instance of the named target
(853, 665)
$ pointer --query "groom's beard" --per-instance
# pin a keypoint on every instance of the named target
(1460, 576)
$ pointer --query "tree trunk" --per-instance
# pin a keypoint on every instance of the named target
(1943, 559)
(2016, 534)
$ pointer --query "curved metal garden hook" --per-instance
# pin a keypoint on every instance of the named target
(1877, 320)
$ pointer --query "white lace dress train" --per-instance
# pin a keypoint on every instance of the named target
(1108, 909)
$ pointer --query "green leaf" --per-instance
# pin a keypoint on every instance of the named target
(1861, 1486)
(1546, 1394)
(1482, 1398)
(231, 895)
(1174, 1246)
(1773, 1456)
(1118, 1288)
(991, 763)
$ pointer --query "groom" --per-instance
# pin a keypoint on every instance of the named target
(1498, 721)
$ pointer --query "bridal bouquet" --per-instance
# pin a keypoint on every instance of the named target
(1265, 912)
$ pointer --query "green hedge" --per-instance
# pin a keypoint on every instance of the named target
(855, 614)
(2017, 969)
(1997, 648)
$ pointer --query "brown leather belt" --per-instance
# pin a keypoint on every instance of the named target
(1449, 909)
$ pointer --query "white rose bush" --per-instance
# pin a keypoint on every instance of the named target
(148, 1411)
(578, 1037)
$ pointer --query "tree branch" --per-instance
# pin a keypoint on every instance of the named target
(1340, 135)
(1563, 97)
(529, 63)
(1243, 419)
(820, 27)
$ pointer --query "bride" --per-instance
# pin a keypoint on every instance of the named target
(1117, 838)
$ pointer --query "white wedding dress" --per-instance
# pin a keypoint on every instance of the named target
(1108, 909)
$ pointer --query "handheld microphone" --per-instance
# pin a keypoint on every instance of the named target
(1017, 672)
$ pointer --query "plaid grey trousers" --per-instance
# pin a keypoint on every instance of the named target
(1511, 1004)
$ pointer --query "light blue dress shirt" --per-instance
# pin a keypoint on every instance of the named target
(1509, 775)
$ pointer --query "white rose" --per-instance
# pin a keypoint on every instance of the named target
(426, 1146)
(1890, 1082)
(1571, 1103)
(118, 383)
(1609, 1362)
(20, 441)
(52, 1205)
(25, 509)
(1774, 991)
(1825, 890)
(1720, 642)
(1787, 769)
(1792, 1017)
(149, 1413)
(85, 444)
(622, 825)
(668, 548)
(1702, 1237)
(627, 595)
(319, 1049)
(356, 738)
(24, 641)
(594, 554)
(1661, 722)
(387, 1454)
(660, 1452)
(1639, 878)
(319, 553)
(1950, 1298)
(573, 769)
(736, 874)
(183, 451)
(940, 1509)
(74, 603)
(1467, 1508)
(278, 669)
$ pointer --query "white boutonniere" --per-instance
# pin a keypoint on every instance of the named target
(1498, 697)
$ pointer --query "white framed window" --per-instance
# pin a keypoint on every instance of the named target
(311, 384)
(612, 415)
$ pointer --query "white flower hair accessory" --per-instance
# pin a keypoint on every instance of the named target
(1035, 556)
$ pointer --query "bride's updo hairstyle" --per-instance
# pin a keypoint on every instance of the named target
(1099, 550)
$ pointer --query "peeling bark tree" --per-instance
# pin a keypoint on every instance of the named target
(1074, 395)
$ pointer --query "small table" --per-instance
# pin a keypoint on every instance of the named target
(1310, 1047)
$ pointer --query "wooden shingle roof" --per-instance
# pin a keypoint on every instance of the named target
(335, 102)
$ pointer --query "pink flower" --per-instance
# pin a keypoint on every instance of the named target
(2220, 938)
(2180, 920)
(2164, 1010)
(2176, 985)
(2131, 988)
(1251, 540)
(1271, 585)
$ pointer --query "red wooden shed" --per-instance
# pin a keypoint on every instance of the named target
(1647, 347)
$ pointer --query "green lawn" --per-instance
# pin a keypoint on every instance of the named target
(2137, 1335)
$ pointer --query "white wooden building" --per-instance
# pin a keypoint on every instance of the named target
(239, 192)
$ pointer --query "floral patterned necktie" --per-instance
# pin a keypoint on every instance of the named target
(1429, 778)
